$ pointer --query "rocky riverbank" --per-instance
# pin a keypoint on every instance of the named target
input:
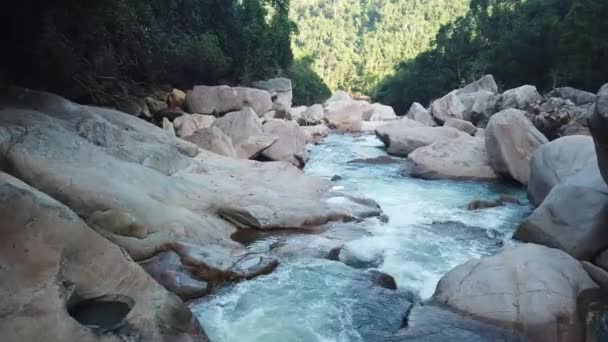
(111, 221)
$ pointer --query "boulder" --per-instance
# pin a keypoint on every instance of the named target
(462, 158)
(188, 124)
(520, 98)
(219, 100)
(418, 113)
(168, 126)
(598, 124)
(555, 162)
(290, 145)
(530, 289)
(578, 97)
(61, 281)
(338, 96)
(346, 115)
(245, 131)
(483, 204)
(379, 112)
(176, 99)
(449, 106)
(572, 218)
(602, 260)
(314, 134)
(461, 125)
(215, 140)
(312, 116)
(295, 113)
(557, 117)
(281, 94)
(511, 139)
(484, 105)
(155, 106)
(403, 137)
(151, 189)
(486, 83)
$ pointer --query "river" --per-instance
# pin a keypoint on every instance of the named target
(310, 298)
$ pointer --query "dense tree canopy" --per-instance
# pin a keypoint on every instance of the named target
(356, 43)
(547, 43)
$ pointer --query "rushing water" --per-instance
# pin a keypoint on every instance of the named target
(313, 299)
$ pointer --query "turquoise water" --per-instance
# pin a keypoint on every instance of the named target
(312, 299)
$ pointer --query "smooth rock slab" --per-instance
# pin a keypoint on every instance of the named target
(219, 100)
(246, 132)
(290, 146)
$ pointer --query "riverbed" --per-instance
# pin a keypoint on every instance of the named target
(426, 231)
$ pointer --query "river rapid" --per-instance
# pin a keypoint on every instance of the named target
(309, 298)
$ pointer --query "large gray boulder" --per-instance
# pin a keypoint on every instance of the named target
(280, 92)
(338, 96)
(314, 134)
(418, 113)
(578, 97)
(187, 124)
(598, 124)
(346, 115)
(404, 136)
(312, 116)
(215, 140)
(449, 106)
(463, 158)
(484, 105)
(62, 281)
(556, 162)
(245, 131)
(291, 142)
(486, 83)
(572, 218)
(511, 139)
(520, 98)
(461, 125)
(218, 100)
(531, 289)
(379, 112)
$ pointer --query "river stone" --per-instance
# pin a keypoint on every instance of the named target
(555, 162)
(218, 100)
(403, 138)
(290, 145)
(461, 125)
(448, 107)
(529, 288)
(54, 266)
(418, 113)
(280, 92)
(346, 115)
(379, 112)
(520, 98)
(213, 139)
(571, 218)
(433, 322)
(578, 97)
(188, 124)
(315, 134)
(312, 116)
(511, 139)
(598, 123)
(246, 132)
(168, 185)
(462, 158)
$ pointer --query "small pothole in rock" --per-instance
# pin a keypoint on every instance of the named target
(101, 314)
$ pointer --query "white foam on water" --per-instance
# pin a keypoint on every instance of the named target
(429, 232)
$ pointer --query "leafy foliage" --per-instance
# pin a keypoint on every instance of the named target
(308, 87)
(547, 43)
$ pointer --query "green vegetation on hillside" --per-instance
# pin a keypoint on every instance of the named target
(357, 43)
(547, 43)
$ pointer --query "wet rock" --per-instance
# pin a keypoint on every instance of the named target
(435, 323)
(463, 158)
(509, 199)
(336, 178)
(511, 139)
(219, 100)
(315, 134)
(64, 282)
(381, 160)
(354, 256)
(509, 288)
(383, 280)
(481, 204)
(334, 254)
